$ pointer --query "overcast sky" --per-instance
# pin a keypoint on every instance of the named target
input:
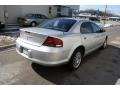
(112, 8)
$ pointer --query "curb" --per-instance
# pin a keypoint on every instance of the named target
(7, 46)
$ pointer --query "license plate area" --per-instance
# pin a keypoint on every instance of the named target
(32, 38)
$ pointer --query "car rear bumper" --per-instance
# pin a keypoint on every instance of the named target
(43, 55)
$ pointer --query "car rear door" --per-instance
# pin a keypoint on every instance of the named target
(88, 36)
(100, 35)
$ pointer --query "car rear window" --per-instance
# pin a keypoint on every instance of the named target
(58, 24)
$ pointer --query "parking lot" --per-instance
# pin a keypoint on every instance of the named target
(100, 67)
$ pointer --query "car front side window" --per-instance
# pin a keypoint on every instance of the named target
(96, 28)
(39, 16)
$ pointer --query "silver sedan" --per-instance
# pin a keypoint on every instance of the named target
(60, 41)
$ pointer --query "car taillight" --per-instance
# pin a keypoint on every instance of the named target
(53, 42)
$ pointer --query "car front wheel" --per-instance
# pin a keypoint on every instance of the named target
(104, 44)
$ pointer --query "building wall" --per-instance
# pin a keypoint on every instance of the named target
(2, 13)
(40, 9)
(65, 11)
(14, 11)
(75, 7)
(44, 9)
(53, 11)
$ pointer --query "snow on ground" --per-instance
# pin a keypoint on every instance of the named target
(6, 40)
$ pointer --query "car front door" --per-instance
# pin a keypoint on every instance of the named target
(88, 36)
(41, 18)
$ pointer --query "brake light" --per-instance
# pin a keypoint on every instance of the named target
(53, 42)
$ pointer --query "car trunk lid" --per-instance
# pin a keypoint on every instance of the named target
(37, 36)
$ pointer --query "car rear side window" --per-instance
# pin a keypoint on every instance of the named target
(36, 16)
(86, 28)
(43, 17)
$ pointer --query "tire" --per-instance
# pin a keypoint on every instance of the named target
(75, 60)
(104, 44)
(33, 24)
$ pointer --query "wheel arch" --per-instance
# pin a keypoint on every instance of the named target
(80, 47)
(33, 22)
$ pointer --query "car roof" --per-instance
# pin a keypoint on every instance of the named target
(77, 19)
(34, 14)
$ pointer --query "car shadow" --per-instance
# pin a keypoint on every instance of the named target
(101, 67)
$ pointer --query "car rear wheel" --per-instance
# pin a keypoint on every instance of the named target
(75, 60)
(33, 24)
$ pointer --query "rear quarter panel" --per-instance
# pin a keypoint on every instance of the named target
(70, 43)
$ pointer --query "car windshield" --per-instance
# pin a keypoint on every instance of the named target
(58, 24)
